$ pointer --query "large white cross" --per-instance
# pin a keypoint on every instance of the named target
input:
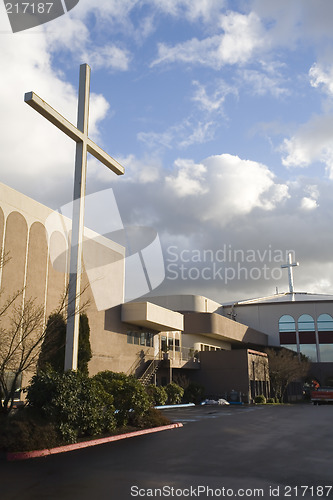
(290, 266)
(84, 145)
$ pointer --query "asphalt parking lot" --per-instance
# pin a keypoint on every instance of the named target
(258, 452)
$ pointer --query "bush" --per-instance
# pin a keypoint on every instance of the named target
(152, 418)
(26, 431)
(129, 395)
(158, 395)
(194, 393)
(174, 392)
(77, 405)
(271, 400)
(260, 399)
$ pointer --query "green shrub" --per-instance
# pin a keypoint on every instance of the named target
(194, 393)
(152, 418)
(157, 394)
(26, 431)
(174, 392)
(260, 399)
(271, 400)
(77, 405)
(129, 395)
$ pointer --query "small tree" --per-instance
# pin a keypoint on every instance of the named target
(285, 367)
(22, 333)
(175, 393)
(19, 347)
(53, 347)
(84, 354)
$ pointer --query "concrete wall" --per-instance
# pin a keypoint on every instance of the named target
(224, 371)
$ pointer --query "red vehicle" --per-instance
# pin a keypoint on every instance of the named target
(322, 395)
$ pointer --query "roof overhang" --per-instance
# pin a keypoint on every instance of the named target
(151, 316)
(218, 327)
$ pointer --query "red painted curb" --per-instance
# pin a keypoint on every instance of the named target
(25, 455)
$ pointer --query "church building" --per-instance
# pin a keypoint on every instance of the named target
(157, 339)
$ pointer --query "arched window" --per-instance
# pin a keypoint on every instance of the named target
(287, 331)
(287, 324)
(306, 323)
(325, 323)
(307, 336)
(325, 333)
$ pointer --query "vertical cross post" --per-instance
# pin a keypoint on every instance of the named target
(290, 266)
(84, 145)
(75, 270)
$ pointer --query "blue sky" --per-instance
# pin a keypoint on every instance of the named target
(221, 113)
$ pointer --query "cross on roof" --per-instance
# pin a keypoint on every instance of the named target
(84, 145)
(290, 266)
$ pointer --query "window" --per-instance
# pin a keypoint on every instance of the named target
(325, 333)
(287, 331)
(325, 323)
(326, 353)
(306, 323)
(309, 350)
(140, 338)
(287, 324)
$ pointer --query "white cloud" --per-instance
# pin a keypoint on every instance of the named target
(215, 101)
(71, 35)
(308, 203)
(193, 10)
(181, 135)
(37, 158)
(108, 56)
(188, 179)
(322, 78)
(262, 83)
(312, 142)
(242, 36)
(202, 132)
(226, 187)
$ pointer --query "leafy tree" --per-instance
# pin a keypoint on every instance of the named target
(130, 397)
(285, 367)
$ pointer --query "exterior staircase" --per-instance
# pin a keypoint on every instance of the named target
(151, 370)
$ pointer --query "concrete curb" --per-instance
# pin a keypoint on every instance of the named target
(25, 455)
(168, 407)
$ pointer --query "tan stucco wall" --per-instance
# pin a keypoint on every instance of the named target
(23, 238)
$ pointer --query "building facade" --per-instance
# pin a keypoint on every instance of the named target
(160, 338)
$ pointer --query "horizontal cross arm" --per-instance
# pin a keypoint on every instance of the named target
(53, 116)
(104, 158)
